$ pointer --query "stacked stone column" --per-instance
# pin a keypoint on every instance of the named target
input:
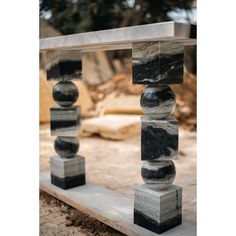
(158, 203)
(67, 168)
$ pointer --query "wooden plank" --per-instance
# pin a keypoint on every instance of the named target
(122, 38)
(108, 207)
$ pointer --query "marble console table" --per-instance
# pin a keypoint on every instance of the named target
(157, 58)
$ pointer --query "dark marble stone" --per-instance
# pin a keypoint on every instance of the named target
(157, 63)
(65, 93)
(68, 182)
(65, 121)
(150, 224)
(159, 138)
(157, 101)
(65, 70)
(66, 146)
(158, 174)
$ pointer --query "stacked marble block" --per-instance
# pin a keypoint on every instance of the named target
(67, 168)
(158, 203)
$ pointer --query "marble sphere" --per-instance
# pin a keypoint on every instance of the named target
(158, 102)
(66, 146)
(65, 93)
(158, 174)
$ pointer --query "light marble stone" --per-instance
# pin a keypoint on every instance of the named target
(157, 62)
(158, 210)
(65, 121)
(66, 167)
(159, 138)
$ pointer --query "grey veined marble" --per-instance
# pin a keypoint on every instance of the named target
(156, 210)
(65, 93)
(158, 174)
(159, 138)
(158, 101)
(68, 172)
(65, 121)
(157, 62)
(66, 146)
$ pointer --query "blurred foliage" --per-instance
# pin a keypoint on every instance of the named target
(76, 16)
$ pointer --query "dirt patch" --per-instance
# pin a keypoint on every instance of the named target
(58, 218)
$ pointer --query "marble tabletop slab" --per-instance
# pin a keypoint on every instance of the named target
(122, 38)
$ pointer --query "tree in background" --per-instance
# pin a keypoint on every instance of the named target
(76, 16)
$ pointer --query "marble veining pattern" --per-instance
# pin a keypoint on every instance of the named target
(157, 62)
(149, 202)
(158, 174)
(159, 138)
(157, 101)
(65, 121)
(65, 167)
(66, 146)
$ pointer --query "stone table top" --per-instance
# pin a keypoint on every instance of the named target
(122, 38)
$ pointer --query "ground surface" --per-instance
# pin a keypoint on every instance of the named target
(115, 165)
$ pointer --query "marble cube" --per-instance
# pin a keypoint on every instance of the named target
(68, 173)
(157, 62)
(65, 65)
(157, 210)
(159, 138)
(65, 121)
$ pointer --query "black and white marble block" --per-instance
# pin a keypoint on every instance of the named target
(65, 121)
(65, 93)
(158, 174)
(157, 62)
(68, 172)
(66, 146)
(159, 138)
(156, 210)
(157, 101)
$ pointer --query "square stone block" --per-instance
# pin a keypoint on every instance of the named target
(159, 138)
(68, 172)
(157, 210)
(158, 62)
(64, 65)
(65, 121)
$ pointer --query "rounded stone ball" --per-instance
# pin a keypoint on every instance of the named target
(158, 102)
(158, 174)
(66, 146)
(65, 93)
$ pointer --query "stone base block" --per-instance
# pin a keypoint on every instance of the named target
(159, 138)
(157, 210)
(67, 172)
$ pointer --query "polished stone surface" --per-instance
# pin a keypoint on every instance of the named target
(159, 138)
(66, 146)
(122, 38)
(65, 93)
(65, 70)
(157, 63)
(157, 210)
(67, 167)
(158, 174)
(157, 101)
(68, 182)
(65, 121)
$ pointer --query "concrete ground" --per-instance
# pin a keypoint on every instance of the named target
(115, 165)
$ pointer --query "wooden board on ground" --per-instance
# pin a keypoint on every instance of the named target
(114, 127)
(108, 207)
